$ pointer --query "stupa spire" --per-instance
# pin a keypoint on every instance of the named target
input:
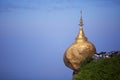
(81, 35)
(81, 21)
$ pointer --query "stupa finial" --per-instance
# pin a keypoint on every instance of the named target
(81, 35)
(81, 21)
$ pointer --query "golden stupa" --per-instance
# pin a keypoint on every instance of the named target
(79, 50)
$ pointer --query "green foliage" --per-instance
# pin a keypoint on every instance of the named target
(85, 62)
(104, 69)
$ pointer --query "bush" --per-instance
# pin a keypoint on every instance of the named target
(104, 69)
(85, 62)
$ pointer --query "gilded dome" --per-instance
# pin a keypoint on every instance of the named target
(79, 50)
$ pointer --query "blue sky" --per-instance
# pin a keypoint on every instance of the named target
(34, 34)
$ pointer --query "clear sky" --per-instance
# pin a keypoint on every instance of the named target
(34, 35)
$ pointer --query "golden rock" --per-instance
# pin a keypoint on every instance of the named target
(79, 50)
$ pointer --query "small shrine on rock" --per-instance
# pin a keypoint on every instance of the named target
(79, 50)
